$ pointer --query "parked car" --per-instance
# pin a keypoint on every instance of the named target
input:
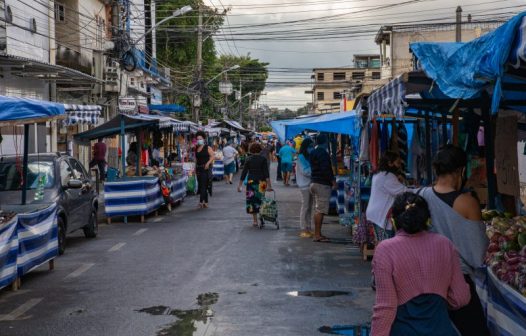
(63, 180)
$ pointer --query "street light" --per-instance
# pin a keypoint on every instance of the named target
(177, 12)
(222, 72)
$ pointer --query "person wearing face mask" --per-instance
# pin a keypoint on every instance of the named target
(303, 173)
(204, 156)
(456, 214)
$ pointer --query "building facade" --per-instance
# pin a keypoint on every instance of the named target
(331, 85)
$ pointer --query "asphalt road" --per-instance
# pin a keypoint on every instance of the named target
(195, 272)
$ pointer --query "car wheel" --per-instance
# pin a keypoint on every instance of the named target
(61, 236)
(91, 230)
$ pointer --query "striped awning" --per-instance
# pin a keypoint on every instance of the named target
(82, 114)
(389, 99)
(185, 127)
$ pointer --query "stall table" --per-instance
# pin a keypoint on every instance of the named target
(218, 170)
(177, 187)
(505, 308)
(132, 196)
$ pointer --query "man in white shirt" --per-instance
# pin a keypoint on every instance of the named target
(229, 160)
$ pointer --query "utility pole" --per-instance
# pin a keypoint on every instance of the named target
(458, 30)
(199, 61)
(240, 101)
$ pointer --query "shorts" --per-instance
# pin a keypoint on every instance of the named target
(322, 195)
(286, 167)
(230, 168)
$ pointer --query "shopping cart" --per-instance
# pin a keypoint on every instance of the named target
(269, 211)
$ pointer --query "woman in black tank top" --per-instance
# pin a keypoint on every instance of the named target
(204, 158)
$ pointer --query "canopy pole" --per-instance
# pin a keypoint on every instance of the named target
(25, 163)
(429, 167)
(444, 129)
(139, 153)
(123, 146)
(490, 153)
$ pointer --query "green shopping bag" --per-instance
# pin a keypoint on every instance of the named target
(191, 185)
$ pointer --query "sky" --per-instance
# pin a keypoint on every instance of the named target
(295, 36)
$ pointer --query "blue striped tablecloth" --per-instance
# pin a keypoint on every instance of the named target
(218, 170)
(8, 252)
(132, 196)
(37, 238)
(505, 308)
(178, 188)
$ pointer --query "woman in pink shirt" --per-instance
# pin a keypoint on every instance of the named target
(418, 276)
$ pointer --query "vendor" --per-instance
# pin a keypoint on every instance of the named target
(204, 161)
(131, 156)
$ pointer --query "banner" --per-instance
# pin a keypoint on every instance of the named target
(8, 251)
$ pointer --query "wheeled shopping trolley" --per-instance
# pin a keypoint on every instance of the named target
(269, 211)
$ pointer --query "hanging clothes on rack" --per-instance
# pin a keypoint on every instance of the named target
(364, 144)
(393, 143)
(384, 139)
(373, 146)
(418, 152)
(402, 143)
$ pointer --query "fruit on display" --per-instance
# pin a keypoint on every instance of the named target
(506, 255)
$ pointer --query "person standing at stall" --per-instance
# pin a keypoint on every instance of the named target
(266, 151)
(229, 159)
(204, 160)
(417, 276)
(99, 158)
(456, 214)
(279, 176)
(322, 179)
(257, 176)
(385, 187)
(303, 174)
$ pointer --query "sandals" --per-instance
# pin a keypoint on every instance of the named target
(321, 239)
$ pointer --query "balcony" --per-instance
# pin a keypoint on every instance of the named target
(73, 59)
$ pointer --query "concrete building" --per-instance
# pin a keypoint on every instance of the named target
(394, 41)
(330, 84)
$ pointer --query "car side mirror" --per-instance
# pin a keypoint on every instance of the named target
(75, 184)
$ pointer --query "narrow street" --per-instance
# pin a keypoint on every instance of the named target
(195, 272)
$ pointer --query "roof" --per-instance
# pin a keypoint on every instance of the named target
(24, 110)
(29, 68)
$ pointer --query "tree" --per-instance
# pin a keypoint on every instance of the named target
(177, 46)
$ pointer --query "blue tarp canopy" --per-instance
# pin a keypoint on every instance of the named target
(19, 109)
(341, 123)
(168, 108)
(495, 62)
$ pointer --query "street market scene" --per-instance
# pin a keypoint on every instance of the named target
(233, 168)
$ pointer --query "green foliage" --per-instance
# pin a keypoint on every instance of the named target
(265, 128)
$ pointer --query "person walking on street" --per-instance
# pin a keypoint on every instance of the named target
(456, 214)
(204, 159)
(303, 175)
(384, 189)
(417, 276)
(266, 151)
(99, 158)
(322, 182)
(279, 176)
(229, 159)
(286, 153)
(257, 176)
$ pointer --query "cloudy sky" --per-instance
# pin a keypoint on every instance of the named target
(295, 36)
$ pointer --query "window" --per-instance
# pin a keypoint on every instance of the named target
(337, 95)
(132, 81)
(321, 95)
(60, 12)
(78, 170)
(11, 176)
(339, 76)
(321, 76)
(377, 75)
(358, 75)
(65, 173)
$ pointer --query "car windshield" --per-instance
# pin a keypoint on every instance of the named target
(38, 172)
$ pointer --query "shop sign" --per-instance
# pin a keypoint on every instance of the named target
(127, 104)
(506, 160)
(156, 96)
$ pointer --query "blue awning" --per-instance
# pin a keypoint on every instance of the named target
(18, 109)
(495, 62)
(342, 123)
(168, 108)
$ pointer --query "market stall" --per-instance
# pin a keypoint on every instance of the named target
(138, 191)
(28, 232)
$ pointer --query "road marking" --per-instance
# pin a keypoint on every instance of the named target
(76, 273)
(18, 312)
(157, 220)
(116, 247)
(140, 232)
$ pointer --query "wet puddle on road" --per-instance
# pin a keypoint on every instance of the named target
(189, 322)
(318, 293)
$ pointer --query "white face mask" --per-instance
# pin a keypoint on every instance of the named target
(200, 142)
